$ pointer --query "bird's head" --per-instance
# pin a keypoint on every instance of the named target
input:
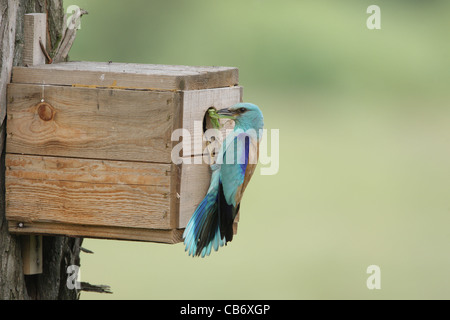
(245, 115)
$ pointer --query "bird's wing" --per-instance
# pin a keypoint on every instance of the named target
(232, 173)
(240, 156)
(237, 165)
(235, 161)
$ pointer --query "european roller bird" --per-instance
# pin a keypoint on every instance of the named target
(211, 225)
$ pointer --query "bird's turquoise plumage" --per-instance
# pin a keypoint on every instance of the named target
(211, 225)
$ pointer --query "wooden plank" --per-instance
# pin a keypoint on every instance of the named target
(32, 254)
(174, 195)
(91, 123)
(195, 105)
(128, 75)
(35, 30)
(100, 232)
(194, 184)
(196, 176)
(88, 192)
(195, 180)
(35, 34)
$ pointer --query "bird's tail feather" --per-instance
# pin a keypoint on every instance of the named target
(202, 233)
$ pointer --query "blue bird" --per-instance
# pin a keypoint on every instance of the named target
(211, 225)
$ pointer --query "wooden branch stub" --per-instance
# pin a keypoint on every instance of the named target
(98, 288)
(47, 56)
(68, 36)
(86, 250)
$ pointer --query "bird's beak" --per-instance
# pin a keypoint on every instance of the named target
(225, 113)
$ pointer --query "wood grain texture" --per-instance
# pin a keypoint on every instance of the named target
(89, 147)
(32, 254)
(100, 232)
(8, 42)
(128, 75)
(58, 251)
(91, 123)
(35, 34)
(195, 180)
(35, 30)
(194, 184)
(69, 33)
(195, 105)
(88, 192)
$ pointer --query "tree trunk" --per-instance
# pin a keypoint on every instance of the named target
(58, 252)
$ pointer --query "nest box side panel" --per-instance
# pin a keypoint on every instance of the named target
(196, 175)
(195, 179)
(91, 123)
(195, 105)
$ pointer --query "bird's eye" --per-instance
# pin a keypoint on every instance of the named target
(242, 110)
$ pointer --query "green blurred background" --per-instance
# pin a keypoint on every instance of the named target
(364, 120)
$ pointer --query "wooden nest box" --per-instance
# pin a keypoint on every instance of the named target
(88, 150)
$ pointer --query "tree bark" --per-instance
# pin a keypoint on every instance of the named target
(58, 252)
